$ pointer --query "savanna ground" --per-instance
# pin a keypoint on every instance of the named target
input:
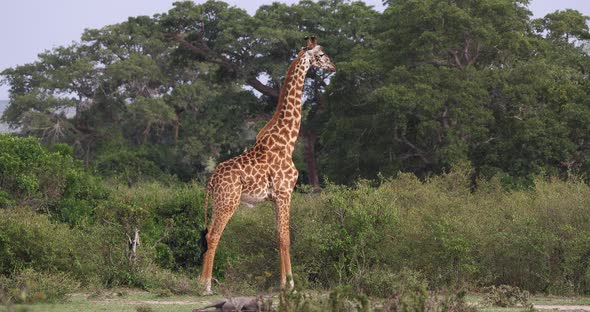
(127, 300)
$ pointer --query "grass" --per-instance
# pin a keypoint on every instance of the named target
(124, 301)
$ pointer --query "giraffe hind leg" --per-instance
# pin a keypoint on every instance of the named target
(224, 205)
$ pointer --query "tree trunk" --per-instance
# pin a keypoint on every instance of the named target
(176, 127)
(309, 140)
(133, 243)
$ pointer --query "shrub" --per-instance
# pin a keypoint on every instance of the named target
(54, 182)
(345, 298)
(30, 240)
(384, 283)
(30, 286)
(127, 164)
(434, 301)
(410, 293)
(169, 218)
(365, 236)
(93, 256)
(506, 296)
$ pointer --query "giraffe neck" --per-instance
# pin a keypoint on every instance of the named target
(283, 127)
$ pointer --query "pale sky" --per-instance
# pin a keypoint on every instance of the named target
(28, 27)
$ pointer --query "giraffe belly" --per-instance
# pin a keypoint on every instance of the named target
(251, 200)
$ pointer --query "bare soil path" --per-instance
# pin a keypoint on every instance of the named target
(562, 307)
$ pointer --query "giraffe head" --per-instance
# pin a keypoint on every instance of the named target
(317, 55)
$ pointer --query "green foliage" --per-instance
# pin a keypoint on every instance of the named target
(96, 256)
(366, 236)
(169, 219)
(29, 240)
(133, 93)
(457, 83)
(416, 299)
(411, 294)
(563, 25)
(291, 301)
(50, 181)
(30, 286)
(346, 299)
(128, 165)
(373, 238)
(421, 87)
(577, 264)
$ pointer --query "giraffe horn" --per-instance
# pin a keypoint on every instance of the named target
(311, 42)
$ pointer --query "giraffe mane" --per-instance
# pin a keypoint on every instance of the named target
(276, 114)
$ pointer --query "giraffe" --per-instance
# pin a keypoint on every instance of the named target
(265, 172)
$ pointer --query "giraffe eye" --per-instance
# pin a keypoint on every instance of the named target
(321, 55)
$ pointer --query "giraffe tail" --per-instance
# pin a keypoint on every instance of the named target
(203, 236)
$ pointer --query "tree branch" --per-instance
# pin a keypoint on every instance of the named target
(474, 58)
(466, 45)
(436, 63)
(418, 152)
(457, 59)
(262, 88)
(202, 50)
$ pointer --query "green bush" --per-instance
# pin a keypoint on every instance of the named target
(30, 240)
(53, 182)
(535, 239)
(383, 283)
(93, 256)
(365, 236)
(169, 218)
(127, 164)
(30, 286)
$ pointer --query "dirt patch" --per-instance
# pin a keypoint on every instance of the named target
(562, 307)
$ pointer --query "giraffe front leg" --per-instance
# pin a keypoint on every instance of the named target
(283, 204)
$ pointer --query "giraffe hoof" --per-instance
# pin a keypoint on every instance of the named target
(207, 292)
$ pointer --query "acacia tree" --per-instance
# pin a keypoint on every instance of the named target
(255, 50)
(456, 81)
(124, 87)
(147, 81)
(421, 87)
